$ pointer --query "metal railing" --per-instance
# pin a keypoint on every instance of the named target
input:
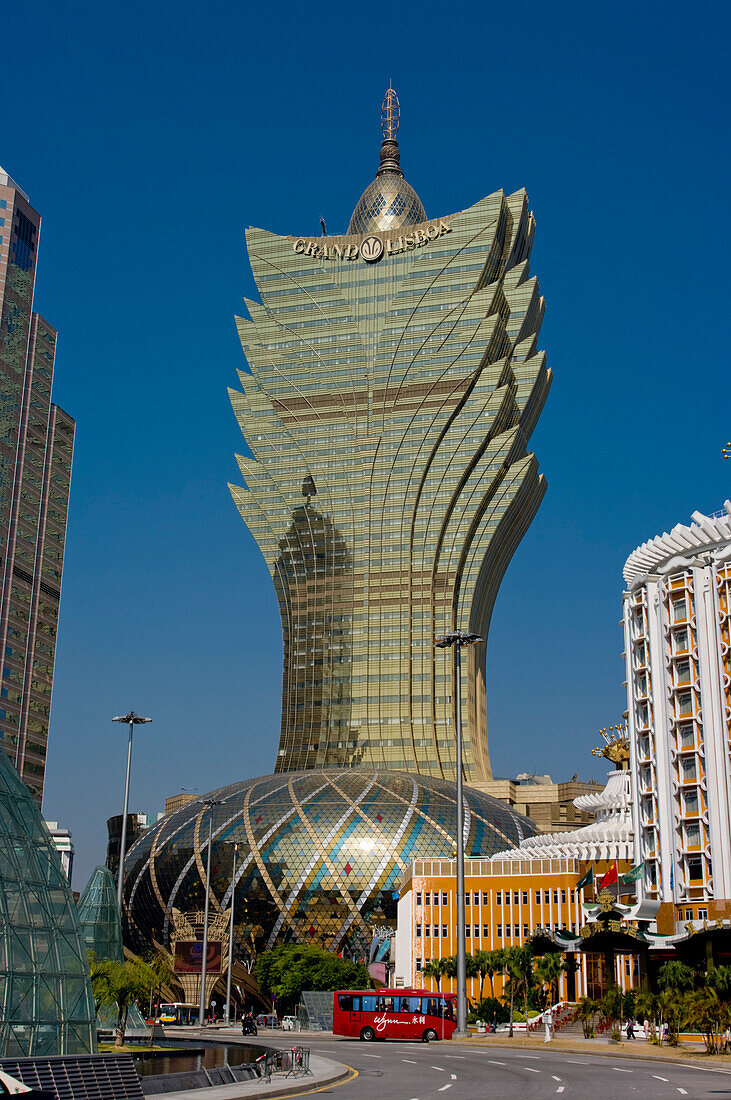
(289, 1063)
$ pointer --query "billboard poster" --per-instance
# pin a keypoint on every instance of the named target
(189, 957)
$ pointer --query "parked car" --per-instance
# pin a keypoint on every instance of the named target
(289, 1023)
(267, 1019)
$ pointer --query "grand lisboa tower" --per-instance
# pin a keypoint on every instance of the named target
(394, 381)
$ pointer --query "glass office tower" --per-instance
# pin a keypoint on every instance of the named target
(394, 382)
(36, 449)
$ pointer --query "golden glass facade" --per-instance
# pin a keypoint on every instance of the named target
(394, 381)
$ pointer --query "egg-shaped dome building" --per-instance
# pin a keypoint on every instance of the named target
(320, 853)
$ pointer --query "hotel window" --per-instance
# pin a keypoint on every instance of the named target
(573, 897)
(467, 899)
(689, 914)
(476, 931)
(682, 672)
(679, 610)
(680, 640)
(485, 898)
(525, 897)
(538, 897)
(477, 897)
(467, 931)
(445, 899)
(500, 930)
(515, 897)
(687, 736)
(444, 931)
(418, 965)
(690, 802)
(563, 896)
(427, 898)
(499, 898)
(546, 896)
(486, 931)
(685, 702)
(689, 771)
(418, 898)
(525, 931)
(418, 930)
(427, 931)
(555, 897)
(516, 931)
(692, 835)
(436, 930)
(702, 914)
(695, 868)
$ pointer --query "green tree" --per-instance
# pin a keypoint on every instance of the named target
(489, 963)
(548, 970)
(676, 976)
(436, 970)
(719, 980)
(704, 1011)
(587, 1012)
(120, 985)
(647, 1008)
(610, 1007)
(284, 972)
(519, 969)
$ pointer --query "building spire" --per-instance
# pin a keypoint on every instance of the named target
(390, 118)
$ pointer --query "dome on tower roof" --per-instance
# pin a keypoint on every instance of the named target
(389, 202)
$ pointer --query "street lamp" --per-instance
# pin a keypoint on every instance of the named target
(132, 720)
(210, 803)
(231, 938)
(457, 639)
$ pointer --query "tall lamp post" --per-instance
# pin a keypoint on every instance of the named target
(211, 803)
(457, 639)
(231, 938)
(132, 720)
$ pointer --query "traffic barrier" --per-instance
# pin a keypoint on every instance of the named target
(289, 1063)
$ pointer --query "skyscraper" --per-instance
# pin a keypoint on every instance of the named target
(36, 449)
(394, 384)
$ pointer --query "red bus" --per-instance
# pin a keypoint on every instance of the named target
(393, 1014)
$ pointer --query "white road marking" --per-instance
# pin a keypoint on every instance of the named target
(447, 1086)
(534, 1057)
(460, 1056)
(618, 1070)
(560, 1088)
(494, 1063)
(410, 1061)
(371, 1055)
(555, 1077)
(453, 1076)
(529, 1069)
(683, 1091)
(665, 1079)
(440, 1068)
(576, 1062)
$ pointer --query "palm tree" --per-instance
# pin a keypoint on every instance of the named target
(646, 1006)
(435, 969)
(587, 1012)
(519, 967)
(676, 976)
(489, 963)
(548, 971)
(120, 985)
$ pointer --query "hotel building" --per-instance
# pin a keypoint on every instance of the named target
(36, 448)
(678, 661)
(394, 382)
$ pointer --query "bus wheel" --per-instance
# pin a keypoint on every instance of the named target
(367, 1034)
(430, 1035)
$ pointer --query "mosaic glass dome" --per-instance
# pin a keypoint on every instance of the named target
(101, 928)
(320, 854)
(46, 1005)
(389, 202)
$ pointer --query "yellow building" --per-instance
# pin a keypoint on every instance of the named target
(506, 900)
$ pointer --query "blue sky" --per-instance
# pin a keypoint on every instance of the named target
(149, 135)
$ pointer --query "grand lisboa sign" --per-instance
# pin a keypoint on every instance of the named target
(372, 248)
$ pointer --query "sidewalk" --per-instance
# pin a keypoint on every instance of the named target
(324, 1072)
(633, 1049)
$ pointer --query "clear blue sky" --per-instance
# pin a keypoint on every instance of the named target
(149, 135)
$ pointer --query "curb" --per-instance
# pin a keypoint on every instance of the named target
(615, 1051)
(236, 1092)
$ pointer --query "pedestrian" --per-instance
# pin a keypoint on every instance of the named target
(646, 1028)
(630, 1029)
(494, 1022)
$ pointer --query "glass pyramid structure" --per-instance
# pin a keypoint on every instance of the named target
(46, 1004)
(98, 911)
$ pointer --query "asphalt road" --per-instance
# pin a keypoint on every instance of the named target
(442, 1071)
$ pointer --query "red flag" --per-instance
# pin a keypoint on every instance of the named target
(610, 878)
